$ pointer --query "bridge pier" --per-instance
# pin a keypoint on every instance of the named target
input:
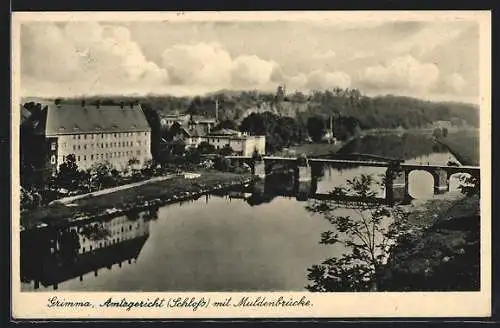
(441, 181)
(259, 169)
(396, 185)
(303, 173)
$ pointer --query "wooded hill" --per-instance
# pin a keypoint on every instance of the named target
(370, 112)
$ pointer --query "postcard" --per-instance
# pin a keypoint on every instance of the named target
(251, 164)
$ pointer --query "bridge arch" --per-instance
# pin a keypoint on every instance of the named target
(420, 184)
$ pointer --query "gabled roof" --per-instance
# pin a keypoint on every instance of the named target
(73, 118)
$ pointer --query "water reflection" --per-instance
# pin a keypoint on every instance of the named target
(253, 237)
(54, 255)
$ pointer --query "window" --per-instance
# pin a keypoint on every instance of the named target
(78, 137)
(91, 157)
(84, 157)
(83, 249)
(85, 136)
(74, 147)
(74, 137)
(78, 158)
(53, 159)
(78, 147)
(53, 146)
(84, 146)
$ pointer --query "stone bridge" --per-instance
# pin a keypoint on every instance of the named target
(397, 173)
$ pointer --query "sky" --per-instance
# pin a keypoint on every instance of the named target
(425, 59)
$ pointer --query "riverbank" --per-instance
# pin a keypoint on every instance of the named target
(155, 193)
(443, 254)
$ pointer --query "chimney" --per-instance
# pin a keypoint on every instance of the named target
(216, 110)
(83, 102)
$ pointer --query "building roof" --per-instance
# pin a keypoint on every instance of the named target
(74, 118)
(225, 132)
(196, 131)
(202, 119)
(174, 116)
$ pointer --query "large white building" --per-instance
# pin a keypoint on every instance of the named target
(239, 142)
(93, 133)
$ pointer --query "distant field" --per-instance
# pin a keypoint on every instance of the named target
(317, 148)
(464, 145)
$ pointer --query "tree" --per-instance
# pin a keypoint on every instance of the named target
(100, 175)
(178, 147)
(437, 133)
(68, 176)
(315, 128)
(444, 132)
(368, 231)
(227, 124)
(222, 164)
(226, 150)
(148, 168)
(133, 161)
(206, 148)
(469, 185)
(256, 156)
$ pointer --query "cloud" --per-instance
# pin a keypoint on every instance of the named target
(324, 55)
(322, 80)
(211, 64)
(61, 59)
(84, 56)
(454, 83)
(318, 79)
(401, 73)
(428, 38)
(251, 70)
(200, 64)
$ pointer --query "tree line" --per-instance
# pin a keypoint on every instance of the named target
(388, 111)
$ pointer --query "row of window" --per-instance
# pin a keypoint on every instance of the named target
(123, 154)
(209, 140)
(120, 144)
(107, 135)
(108, 155)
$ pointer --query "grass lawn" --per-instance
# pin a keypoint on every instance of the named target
(129, 198)
(465, 145)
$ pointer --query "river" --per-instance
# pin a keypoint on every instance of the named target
(261, 239)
